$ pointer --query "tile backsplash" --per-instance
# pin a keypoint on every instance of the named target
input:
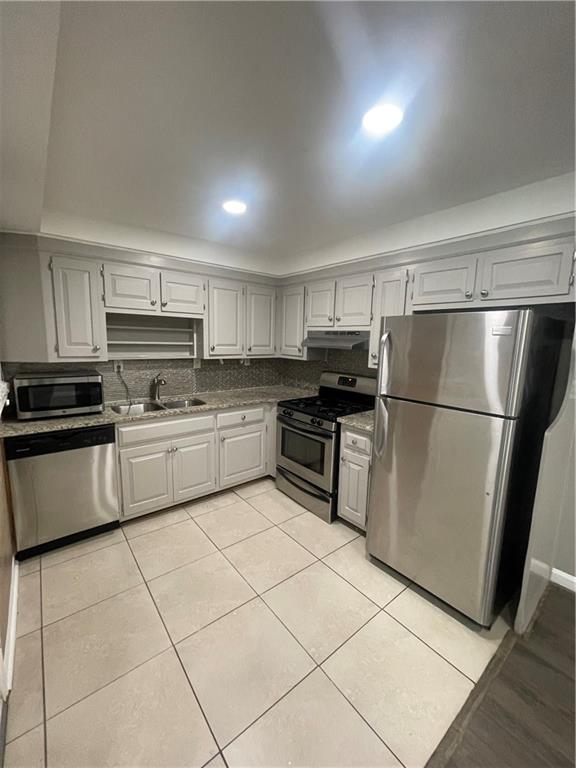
(182, 378)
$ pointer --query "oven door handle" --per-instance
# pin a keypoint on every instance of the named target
(306, 430)
(306, 487)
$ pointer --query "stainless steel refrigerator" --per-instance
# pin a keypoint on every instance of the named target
(463, 402)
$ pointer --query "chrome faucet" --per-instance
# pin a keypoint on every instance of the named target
(157, 382)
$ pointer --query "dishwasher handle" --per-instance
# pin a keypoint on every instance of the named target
(41, 444)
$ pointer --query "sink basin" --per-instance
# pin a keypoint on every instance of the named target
(136, 408)
(183, 403)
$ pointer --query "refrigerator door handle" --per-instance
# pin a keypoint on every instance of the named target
(381, 427)
(385, 355)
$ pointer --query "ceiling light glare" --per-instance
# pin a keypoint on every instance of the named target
(382, 119)
(235, 207)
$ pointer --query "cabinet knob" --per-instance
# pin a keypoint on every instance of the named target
(96, 348)
(330, 318)
(484, 292)
(243, 417)
(354, 442)
(342, 459)
(153, 302)
(212, 348)
(338, 319)
(249, 349)
(222, 439)
(164, 303)
(299, 349)
(468, 294)
(373, 355)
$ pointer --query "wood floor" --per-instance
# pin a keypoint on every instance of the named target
(521, 714)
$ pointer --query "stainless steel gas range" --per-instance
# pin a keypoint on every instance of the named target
(308, 439)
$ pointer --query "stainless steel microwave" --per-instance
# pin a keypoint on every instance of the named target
(63, 393)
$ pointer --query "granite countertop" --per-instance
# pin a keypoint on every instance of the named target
(232, 398)
(363, 421)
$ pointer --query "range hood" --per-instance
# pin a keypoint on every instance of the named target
(337, 340)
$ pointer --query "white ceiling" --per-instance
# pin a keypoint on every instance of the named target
(162, 110)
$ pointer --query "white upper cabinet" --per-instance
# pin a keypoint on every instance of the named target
(80, 321)
(353, 301)
(226, 318)
(525, 272)
(291, 321)
(182, 293)
(131, 287)
(389, 299)
(260, 320)
(445, 281)
(320, 299)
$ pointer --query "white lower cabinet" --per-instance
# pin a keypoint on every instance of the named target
(193, 466)
(242, 454)
(353, 485)
(146, 478)
(171, 461)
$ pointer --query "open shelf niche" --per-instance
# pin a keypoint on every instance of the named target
(144, 336)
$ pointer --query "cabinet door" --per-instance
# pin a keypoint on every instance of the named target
(194, 466)
(226, 314)
(445, 281)
(389, 299)
(354, 301)
(260, 320)
(320, 304)
(131, 287)
(353, 488)
(80, 320)
(526, 272)
(146, 478)
(291, 318)
(182, 293)
(242, 454)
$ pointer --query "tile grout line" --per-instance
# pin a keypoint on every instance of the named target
(429, 646)
(361, 716)
(102, 687)
(44, 723)
(173, 646)
(91, 605)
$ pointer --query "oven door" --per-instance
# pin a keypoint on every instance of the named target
(306, 452)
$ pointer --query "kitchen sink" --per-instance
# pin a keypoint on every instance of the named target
(137, 408)
(183, 403)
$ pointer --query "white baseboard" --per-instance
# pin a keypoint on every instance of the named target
(10, 648)
(563, 579)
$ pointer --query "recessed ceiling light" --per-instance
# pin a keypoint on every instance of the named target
(235, 207)
(382, 119)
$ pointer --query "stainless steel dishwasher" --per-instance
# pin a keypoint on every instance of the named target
(64, 484)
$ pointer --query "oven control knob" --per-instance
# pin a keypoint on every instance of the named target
(313, 421)
(290, 413)
(319, 422)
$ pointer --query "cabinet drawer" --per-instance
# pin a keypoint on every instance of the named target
(354, 441)
(163, 429)
(237, 418)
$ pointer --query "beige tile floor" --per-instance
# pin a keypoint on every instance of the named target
(239, 630)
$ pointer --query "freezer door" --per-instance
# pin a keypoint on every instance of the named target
(470, 360)
(437, 500)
